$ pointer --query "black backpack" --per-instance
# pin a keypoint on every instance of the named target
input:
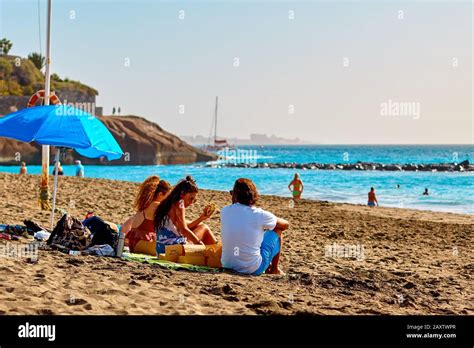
(101, 231)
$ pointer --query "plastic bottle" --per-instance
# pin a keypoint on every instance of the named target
(120, 244)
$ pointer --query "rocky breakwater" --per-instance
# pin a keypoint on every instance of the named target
(463, 166)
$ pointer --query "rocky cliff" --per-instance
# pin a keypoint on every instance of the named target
(143, 142)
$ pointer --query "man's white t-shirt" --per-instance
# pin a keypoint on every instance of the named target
(242, 229)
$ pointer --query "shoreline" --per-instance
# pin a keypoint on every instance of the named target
(269, 195)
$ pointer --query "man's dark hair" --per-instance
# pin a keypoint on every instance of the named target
(245, 192)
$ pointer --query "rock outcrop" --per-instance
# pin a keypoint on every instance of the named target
(143, 142)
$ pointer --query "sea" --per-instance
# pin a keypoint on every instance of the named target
(449, 191)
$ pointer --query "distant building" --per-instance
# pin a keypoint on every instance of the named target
(83, 101)
(255, 139)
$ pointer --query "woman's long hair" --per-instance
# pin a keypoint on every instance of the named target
(184, 186)
(146, 193)
(162, 187)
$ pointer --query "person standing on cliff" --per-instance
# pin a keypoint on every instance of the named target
(23, 168)
(119, 110)
(113, 110)
(372, 198)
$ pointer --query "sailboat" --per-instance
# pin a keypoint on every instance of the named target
(218, 144)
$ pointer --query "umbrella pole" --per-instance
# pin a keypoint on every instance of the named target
(44, 188)
(56, 161)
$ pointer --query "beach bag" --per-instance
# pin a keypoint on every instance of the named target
(101, 231)
(70, 233)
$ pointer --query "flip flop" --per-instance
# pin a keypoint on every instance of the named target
(5, 236)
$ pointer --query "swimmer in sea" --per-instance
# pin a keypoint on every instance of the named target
(372, 198)
(296, 187)
(426, 193)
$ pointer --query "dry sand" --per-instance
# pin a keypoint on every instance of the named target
(416, 262)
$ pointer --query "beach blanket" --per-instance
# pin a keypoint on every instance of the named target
(166, 264)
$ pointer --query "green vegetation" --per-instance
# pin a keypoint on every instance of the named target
(21, 76)
(37, 59)
(5, 46)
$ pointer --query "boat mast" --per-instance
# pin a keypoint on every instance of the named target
(215, 122)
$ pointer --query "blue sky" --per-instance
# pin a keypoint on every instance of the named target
(284, 64)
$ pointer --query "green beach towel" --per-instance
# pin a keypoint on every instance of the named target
(143, 258)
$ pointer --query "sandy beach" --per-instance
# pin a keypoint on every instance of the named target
(413, 262)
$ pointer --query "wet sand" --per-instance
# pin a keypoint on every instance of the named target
(407, 261)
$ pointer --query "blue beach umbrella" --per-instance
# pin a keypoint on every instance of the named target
(61, 126)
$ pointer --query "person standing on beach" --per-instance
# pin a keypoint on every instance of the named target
(79, 169)
(372, 198)
(170, 221)
(251, 237)
(23, 168)
(59, 167)
(296, 187)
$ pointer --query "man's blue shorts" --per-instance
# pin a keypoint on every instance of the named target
(269, 249)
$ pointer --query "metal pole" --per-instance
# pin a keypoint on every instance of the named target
(215, 124)
(55, 189)
(47, 77)
(44, 189)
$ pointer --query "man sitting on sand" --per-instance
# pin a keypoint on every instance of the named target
(251, 236)
(372, 198)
